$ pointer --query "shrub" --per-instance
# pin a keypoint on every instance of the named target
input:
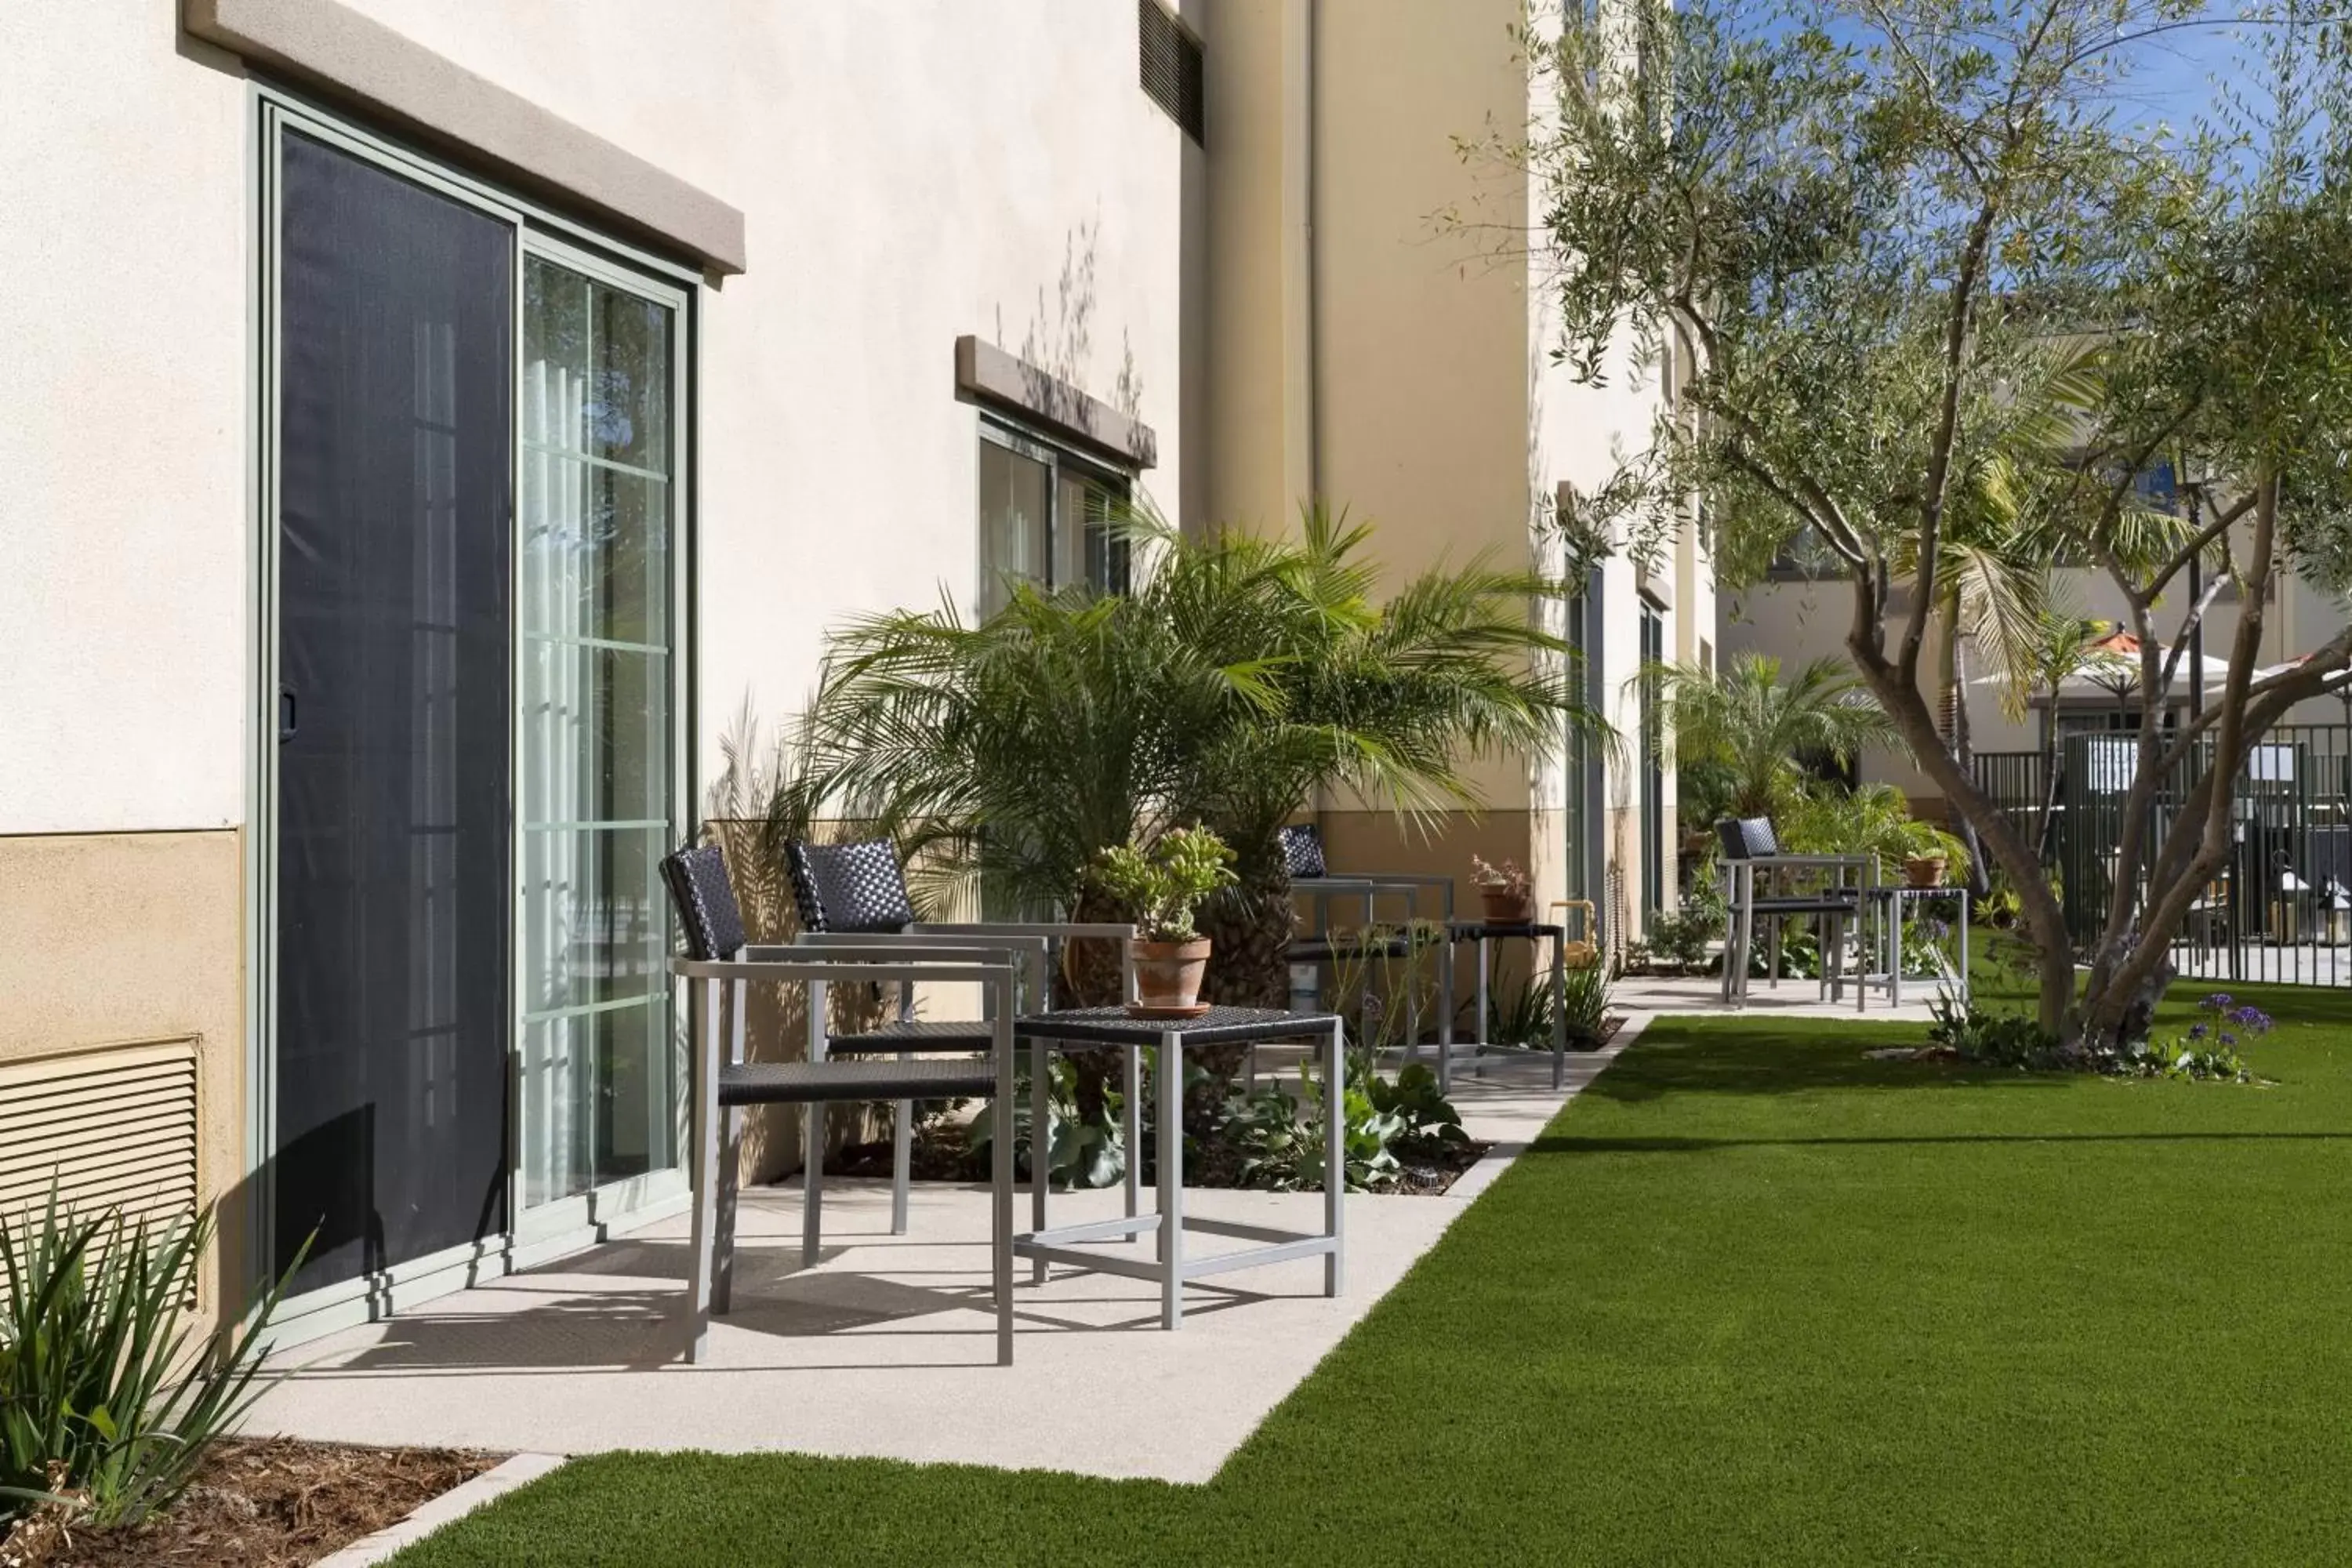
(1996, 1039)
(1682, 939)
(107, 1401)
(1586, 1005)
(1281, 1140)
(1424, 1116)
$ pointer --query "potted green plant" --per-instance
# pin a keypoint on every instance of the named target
(1928, 852)
(1508, 892)
(1161, 887)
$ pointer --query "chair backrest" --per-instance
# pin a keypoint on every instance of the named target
(704, 896)
(1744, 839)
(855, 888)
(1302, 850)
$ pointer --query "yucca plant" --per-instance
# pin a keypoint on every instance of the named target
(107, 1397)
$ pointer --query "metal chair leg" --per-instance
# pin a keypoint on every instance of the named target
(704, 1132)
(731, 1166)
(1001, 1187)
(812, 1140)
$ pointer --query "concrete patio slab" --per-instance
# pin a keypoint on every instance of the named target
(885, 1347)
(1701, 996)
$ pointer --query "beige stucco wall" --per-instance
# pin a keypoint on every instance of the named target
(127, 938)
(1429, 396)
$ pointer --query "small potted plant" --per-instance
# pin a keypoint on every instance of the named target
(1928, 851)
(1506, 892)
(1161, 886)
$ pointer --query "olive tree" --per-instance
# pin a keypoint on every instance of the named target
(1922, 251)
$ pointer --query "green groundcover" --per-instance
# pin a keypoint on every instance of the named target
(1753, 1298)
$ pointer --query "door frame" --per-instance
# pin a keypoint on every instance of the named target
(566, 1223)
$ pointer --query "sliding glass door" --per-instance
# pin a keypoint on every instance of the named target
(468, 667)
(601, 1089)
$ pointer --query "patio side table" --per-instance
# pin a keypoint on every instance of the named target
(1098, 1026)
(1483, 932)
(1885, 903)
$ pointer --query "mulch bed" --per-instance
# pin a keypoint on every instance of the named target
(270, 1502)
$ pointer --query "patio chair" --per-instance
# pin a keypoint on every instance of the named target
(1311, 875)
(722, 1082)
(1750, 846)
(856, 894)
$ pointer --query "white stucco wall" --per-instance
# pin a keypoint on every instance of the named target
(124, 515)
(908, 173)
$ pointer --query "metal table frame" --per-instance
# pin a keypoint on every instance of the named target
(1482, 932)
(1369, 888)
(1888, 929)
(1101, 1026)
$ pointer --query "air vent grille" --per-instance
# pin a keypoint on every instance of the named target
(113, 1127)
(1170, 65)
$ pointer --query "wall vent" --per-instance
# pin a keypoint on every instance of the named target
(110, 1127)
(1168, 61)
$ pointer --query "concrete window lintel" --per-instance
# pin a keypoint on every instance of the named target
(986, 373)
(326, 43)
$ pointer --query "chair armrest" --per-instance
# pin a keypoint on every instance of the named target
(847, 966)
(1045, 928)
(1808, 860)
(914, 941)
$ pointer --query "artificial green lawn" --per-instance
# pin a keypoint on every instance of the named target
(1754, 1297)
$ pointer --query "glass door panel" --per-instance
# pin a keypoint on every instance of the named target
(601, 1063)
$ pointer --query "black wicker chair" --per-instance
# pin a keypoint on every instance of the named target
(1750, 847)
(1311, 876)
(722, 1082)
(856, 894)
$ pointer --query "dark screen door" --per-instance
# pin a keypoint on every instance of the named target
(395, 891)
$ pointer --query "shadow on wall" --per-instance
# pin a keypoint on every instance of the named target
(1058, 344)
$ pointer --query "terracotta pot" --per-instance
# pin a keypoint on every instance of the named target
(1169, 973)
(1504, 907)
(1924, 870)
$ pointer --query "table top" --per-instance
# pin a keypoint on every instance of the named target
(1461, 929)
(1218, 1025)
(1906, 891)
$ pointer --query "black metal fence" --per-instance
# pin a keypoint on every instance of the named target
(2281, 907)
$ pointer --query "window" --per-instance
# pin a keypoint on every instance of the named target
(1168, 62)
(1046, 517)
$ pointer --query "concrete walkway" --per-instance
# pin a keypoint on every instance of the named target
(1700, 996)
(886, 1347)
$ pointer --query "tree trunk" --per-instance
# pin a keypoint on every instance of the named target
(1249, 927)
(1093, 975)
(2044, 922)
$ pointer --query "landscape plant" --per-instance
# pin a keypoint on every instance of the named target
(1762, 733)
(110, 1399)
(1244, 673)
(1938, 284)
(1162, 885)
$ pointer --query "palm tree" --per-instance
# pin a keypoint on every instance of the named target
(1760, 733)
(1243, 675)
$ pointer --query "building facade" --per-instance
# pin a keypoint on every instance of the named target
(436, 422)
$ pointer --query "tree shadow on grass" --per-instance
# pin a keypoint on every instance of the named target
(1724, 1056)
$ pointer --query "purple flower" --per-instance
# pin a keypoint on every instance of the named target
(2219, 1002)
(2227, 1038)
(2196, 1031)
(2252, 1018)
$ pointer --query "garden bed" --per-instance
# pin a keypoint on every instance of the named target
(270, 1502)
